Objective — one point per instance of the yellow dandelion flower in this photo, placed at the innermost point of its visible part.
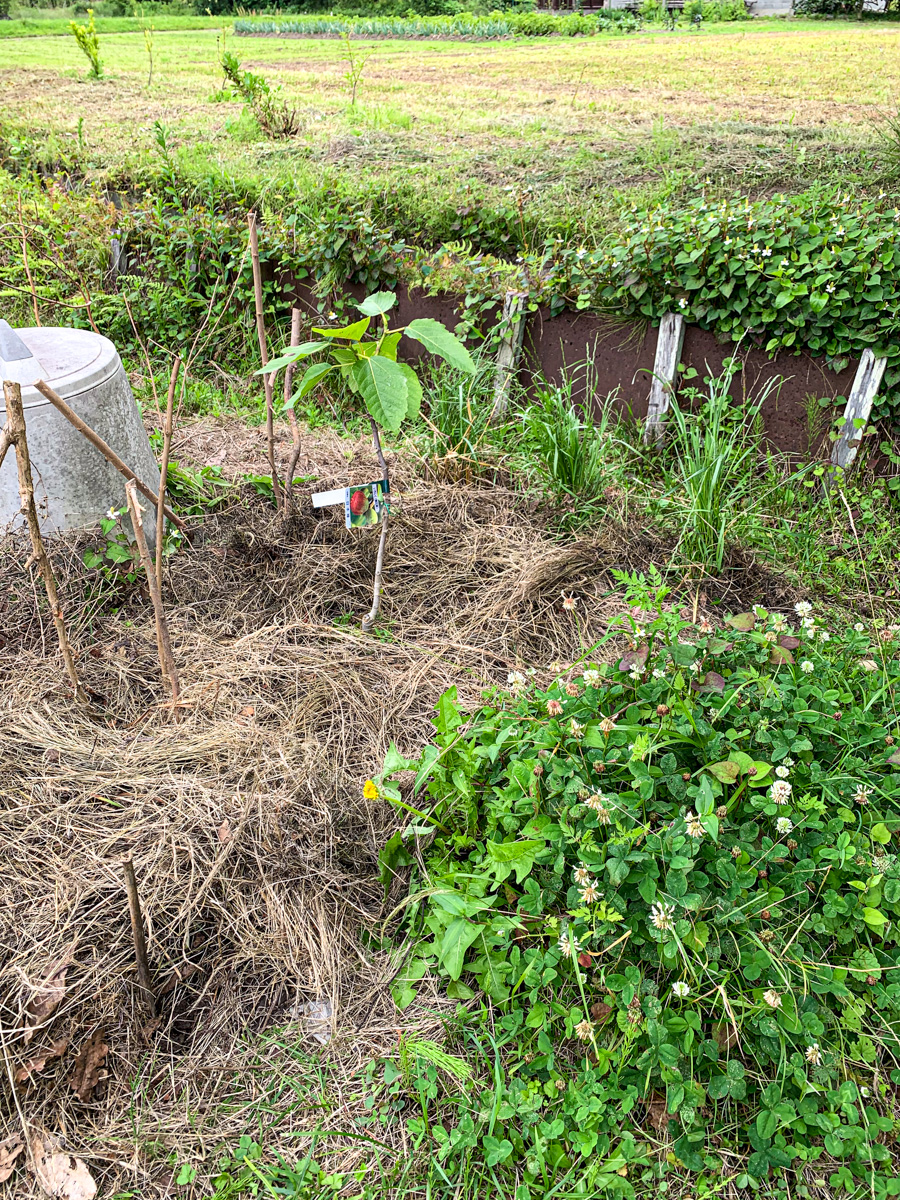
(370, 791)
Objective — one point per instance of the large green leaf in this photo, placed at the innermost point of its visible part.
(414, 391)
(313, 375)
(458, 937)
(513, 856)
(439, 340)
(291, 355)
(352, 332)
(377, 303)
(383, 386)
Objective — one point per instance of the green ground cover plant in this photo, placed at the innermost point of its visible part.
(673, 879)
(460, 25)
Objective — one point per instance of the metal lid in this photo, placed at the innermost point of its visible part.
(71, 361)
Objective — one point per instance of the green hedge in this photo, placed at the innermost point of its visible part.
(463, 25)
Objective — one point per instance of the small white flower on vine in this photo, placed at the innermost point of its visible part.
(681, 989)
(606, 725)
(772, 998)
(516, 680)
(784, 825)
(569, 602)
(813, 1054)
(112, 515)
(581, 875)
(661, 915)
(639, 632)
(590, 893)
(803, 608)
(584, 1030)
(592, 677)
(694, 827)
(807, 667)
(780, 791)
(782, 771)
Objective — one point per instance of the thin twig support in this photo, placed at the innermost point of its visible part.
(510, 351)
(263, 354)
(137, 931)
(164, 470)
(371, 617)
(163, 645)
(108, 453)
(665, 373)
(14, 435)
(292, 417)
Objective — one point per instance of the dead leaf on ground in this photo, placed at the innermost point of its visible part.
(89, 1066)
(601, 1012)
(657, 1113)
(178, 975)
(10, 1149)
(40, 1059)
(724, 1035)
(47, 997)
(225, 831)
(61, 1175)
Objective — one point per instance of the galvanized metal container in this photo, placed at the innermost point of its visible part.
(74, 485)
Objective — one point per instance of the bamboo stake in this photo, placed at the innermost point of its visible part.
(371, 617)
(292, 417)
(263, 353)
(14, 435)
(164, 470)
(108, 453)
(137, 931)
(163, 645)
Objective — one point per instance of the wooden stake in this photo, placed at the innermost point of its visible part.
(263, 354)
(371, 617)
(108, 453)
(862, 396)
(509, 352)
(292, 417)
(137, 930)
(14, 435)
(665, 371)
(163, 645)
(164, 470)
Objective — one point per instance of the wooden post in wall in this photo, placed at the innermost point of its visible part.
(509, 353)
(862, 396)
(665, 371)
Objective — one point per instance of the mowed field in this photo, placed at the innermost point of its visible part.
(578, 123)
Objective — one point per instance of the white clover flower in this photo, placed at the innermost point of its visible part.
(597, 803)
(696, 667)
(584, 1030)
(569, 602)
(581, 875)
(779, 622)
(554, 708)
(606, 725)
(694, 828)
(780, 791)
(868, 664)
(788, 762)
(859, 627)
(772, 998)
(516, 680)
(807, 667)
(823, 635)
(770, 635)
(661, 915)
(592, 677)
(862, 794)
(813, 1054)
(803, 608)
(576, 728)
(658, 673)
(782, 771)
(590, 893)
(784, 825)
(808, 624)
(681, 989)
(568, 945)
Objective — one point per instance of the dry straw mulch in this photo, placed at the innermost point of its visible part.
(254, 849)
